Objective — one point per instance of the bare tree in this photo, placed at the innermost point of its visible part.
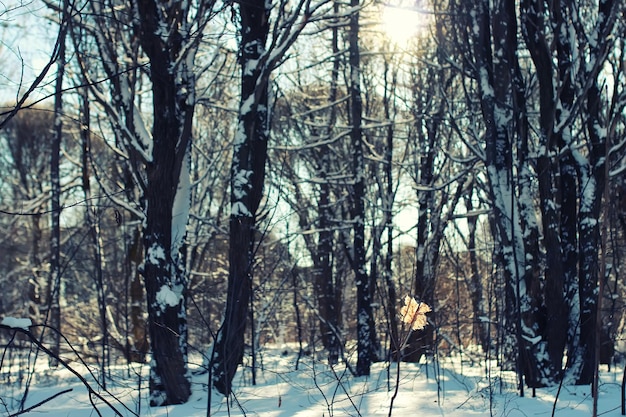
(158, 156)
(260, 49)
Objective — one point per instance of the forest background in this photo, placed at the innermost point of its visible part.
(179, 175)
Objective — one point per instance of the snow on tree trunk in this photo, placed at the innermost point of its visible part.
(247, 178)
(591, 188)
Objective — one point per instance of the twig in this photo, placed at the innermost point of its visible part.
(40, 403)
(397, 387)
(340, 383)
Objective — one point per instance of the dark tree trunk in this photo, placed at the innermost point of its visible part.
(167, 191)
(326, 287)
(420, 342)
(480, 326)
(570, 181)
(364, 315)
(388, 198)
(247, 178)
(594, 175)
(53, 316)
(35, 284)
(590, 240)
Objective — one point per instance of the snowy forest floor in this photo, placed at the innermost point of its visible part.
(448, 387)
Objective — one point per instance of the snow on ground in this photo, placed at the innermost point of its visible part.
(449, 387)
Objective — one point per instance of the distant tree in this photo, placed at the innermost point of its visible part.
(439, 179)
(302, 176)
(25, 166)
(207, 253)
(306, 132)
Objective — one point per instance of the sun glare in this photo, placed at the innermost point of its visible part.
(401, 24)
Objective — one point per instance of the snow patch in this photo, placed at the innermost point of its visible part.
(239, 209)
(181, 207)
(167, 297)
(155, 254)
(532, 340)
(241, 183)
(246, 105)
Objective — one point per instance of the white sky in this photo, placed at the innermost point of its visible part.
(26, 43)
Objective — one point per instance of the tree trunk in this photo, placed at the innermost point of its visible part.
(592, 186)
(167, 197)
(53, 316)
(247, 179)
(326, 288)
(481, 325)
(364, 315)
(94, 231)
(137, 345)
(495, 100)
(329, 289)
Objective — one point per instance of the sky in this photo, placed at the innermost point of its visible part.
(26, 44)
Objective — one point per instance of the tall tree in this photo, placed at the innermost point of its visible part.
(257, 60)
(53, 317)
(168, 39)
(155, 152)
(364, 314)
(569, 47)
(491, 35)
(551, 306)
(247, 178)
